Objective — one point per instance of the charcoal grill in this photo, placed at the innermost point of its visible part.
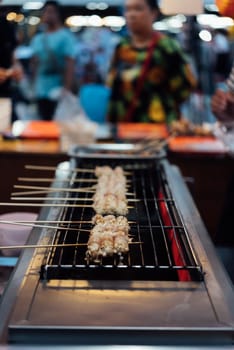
(169, 289)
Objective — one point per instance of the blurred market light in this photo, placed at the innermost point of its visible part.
(205, 35)
(11, 16)
(94, 21)
(77, 21)
(101, 5)
(33, 20)
(114, 21)
(33, 5)
(214, 21)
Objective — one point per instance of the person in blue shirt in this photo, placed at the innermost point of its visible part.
(53, 60)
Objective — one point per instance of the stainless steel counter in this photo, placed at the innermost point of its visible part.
(152, 313)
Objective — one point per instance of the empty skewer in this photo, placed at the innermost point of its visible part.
(8, 222)
(29, 193)
(56, 189)
(43, 246)
(50, 245)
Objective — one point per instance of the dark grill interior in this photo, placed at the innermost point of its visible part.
(161, 248)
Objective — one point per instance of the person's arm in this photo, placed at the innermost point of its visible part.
(222, 105)
(69, 73)
(34, 60)
(69, 53)
(3, 75)
(14, 72)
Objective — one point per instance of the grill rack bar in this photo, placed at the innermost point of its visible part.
(121, 272)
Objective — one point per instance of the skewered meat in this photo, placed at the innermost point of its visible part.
(110, 196)
(109, 236)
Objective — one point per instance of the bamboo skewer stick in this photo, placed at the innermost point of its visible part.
(56, 189)
(61, 199)
(43, 246)
(51, 245)
(44, 205)
(26, 193)
(49, 199)
(9, 204)
(41, 179)
(164, 142)
(8, 222)
(52, 179)
(152, 144)
(56, 221)
(49, 190)
(52, 168)
(60, 222)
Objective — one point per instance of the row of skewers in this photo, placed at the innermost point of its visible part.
(110, 232)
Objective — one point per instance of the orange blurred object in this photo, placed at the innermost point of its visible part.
(197, 144)
(141, 130)
(38, 129)
(226, 7)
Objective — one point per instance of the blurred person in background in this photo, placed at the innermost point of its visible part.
(222, 105)
(222, 102)
(149, 75)
(53, 60)
(10, 69)
(222, 55)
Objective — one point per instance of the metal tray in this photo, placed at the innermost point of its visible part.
(113, 151)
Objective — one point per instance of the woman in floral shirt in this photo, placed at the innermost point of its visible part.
(156, 94)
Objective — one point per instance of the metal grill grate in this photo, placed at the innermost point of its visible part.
(162, 249)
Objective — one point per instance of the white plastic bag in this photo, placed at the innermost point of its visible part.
(68, 108)
(75, 126)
